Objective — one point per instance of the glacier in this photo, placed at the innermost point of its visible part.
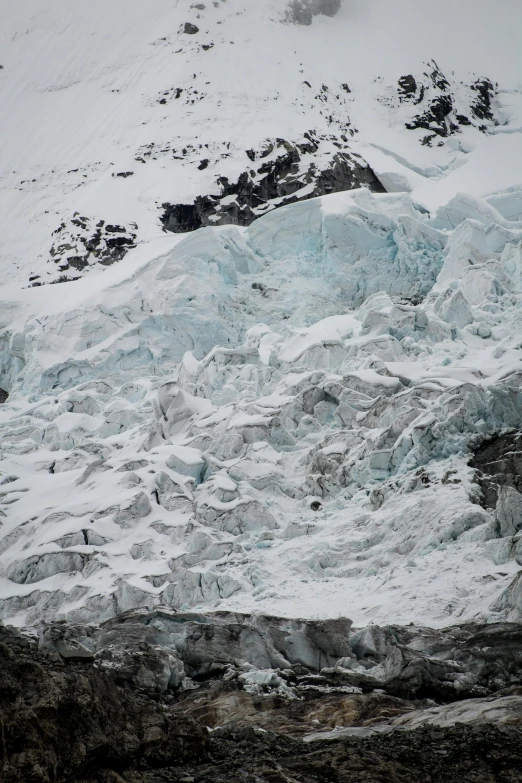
(277, 418)
(260, 390)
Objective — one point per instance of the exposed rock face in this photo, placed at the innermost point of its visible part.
(303, 11)
(79, 706)
(407, 662)
(71, 723)
(446, 107)
(440, 756)
(498, 465)
(287, 175)
(498, 462)
(84, 242)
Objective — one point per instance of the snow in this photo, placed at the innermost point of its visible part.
(275, 418)
(80, 96)
(150, 468)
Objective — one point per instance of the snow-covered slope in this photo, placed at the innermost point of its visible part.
(111, 111)
(292, 414)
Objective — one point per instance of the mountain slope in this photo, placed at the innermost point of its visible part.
(110, 114)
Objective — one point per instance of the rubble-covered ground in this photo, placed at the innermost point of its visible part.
(115, 702)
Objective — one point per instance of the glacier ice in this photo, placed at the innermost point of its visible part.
(279, 417)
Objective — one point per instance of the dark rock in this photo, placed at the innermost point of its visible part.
(443, 109)
(90, 242)
(438, 756)
(225, 703)
(190, 29)
(3, 395)
(498, 462)
(67, 721)
(77, 262)
(434, 118)
(278, 180)
(92, 703)
(437, 77)
(180, 218)
(409, 90)
(485, 90)
(72, 723)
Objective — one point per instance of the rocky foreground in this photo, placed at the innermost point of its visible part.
(159, 696)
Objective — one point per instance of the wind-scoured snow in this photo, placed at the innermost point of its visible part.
(276, 418)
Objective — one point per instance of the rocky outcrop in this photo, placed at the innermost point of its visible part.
(84, 242)
(70, 722)
(281, 173)
(440, 756)
(303, 11)
(85, 704)
(498, 464)
(444, 108)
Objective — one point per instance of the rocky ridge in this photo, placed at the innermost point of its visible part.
(87, 243)
(303, 11)
(288, 174)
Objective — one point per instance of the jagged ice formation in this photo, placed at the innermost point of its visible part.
(278, 417)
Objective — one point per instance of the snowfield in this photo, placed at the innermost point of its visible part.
(285, 416)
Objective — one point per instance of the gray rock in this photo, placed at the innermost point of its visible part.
(278, 180)
(506, 710)
(303, 11)
(508, 512)
(407, 662)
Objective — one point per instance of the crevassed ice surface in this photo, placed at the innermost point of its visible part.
(276, 418)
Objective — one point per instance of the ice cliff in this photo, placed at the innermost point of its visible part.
(278, 418)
